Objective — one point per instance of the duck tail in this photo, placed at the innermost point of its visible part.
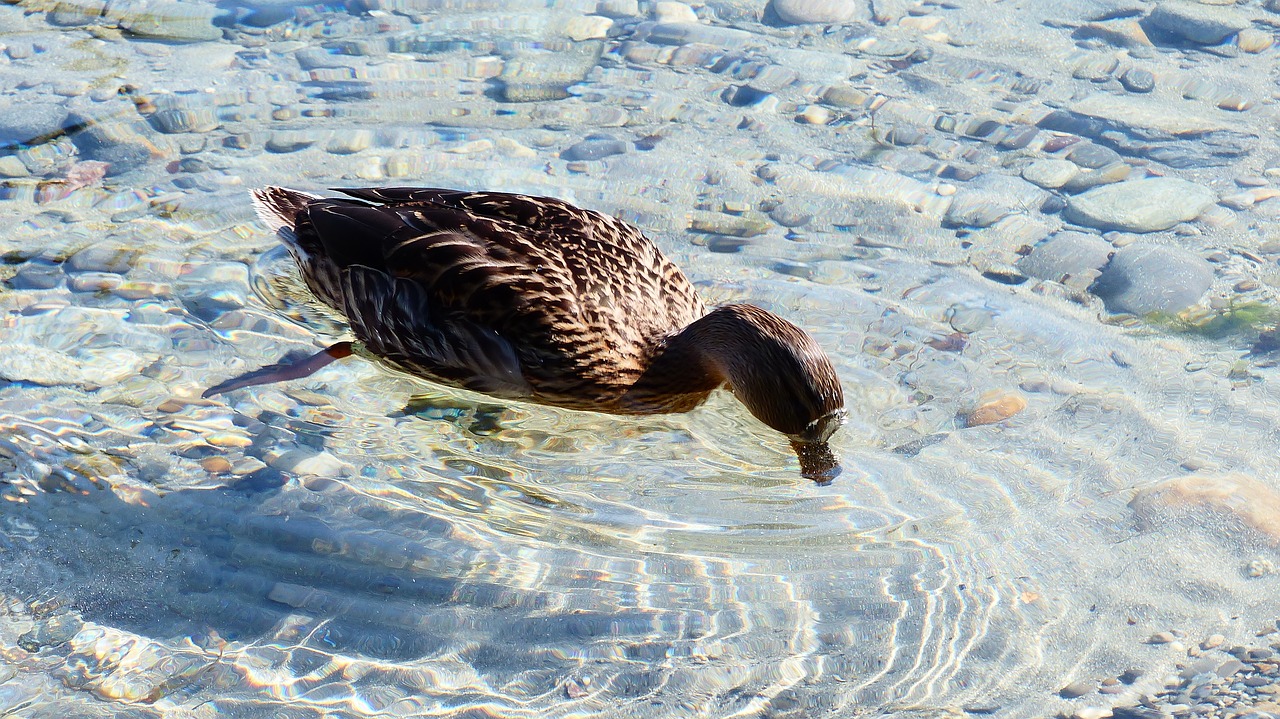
(279, 206)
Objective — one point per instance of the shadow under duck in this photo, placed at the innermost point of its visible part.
(534, 299)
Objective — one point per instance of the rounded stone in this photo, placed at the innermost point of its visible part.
(1076, 689)
(1091, 156)
(815, 115)
(1197, 22)
(789, 216)
(107, 256)
(1135, 79)
(1144, 278)
(805, 12)
(1067, 255)
(1115, 172)
(988, 198)
(1147, 205)
(37, 276)
(124, 144)
(25, 122)
(588, 27)
(285, 141)
(677, 12)
(1050, 174)
(166, 20)
(1253, 40)
(594, 147)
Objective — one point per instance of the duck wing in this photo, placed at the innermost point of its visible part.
(506, 294)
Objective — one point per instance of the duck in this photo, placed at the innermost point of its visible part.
(534, 299)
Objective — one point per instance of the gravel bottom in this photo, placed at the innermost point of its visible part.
(1215, 680)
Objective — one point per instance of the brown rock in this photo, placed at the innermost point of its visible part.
(995, 408)
(1234, 496)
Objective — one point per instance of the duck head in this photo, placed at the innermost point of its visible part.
(782, 376)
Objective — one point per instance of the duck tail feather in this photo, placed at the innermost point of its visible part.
(278, 207)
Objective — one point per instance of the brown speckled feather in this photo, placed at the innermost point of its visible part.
(506, 294)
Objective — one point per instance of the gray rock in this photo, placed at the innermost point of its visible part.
(1092, 156)
(350, 141)
(536, 75)
(1143, 278)
(685, 33)
(119, 138)
(284, 141)
(1050, 174)
(312, 58)
(772, 78)
(37, 276)
(1076, 689)
(790, 215)
(594, 147)
(20, 50)
(984, 200)
(108, 256)
(12, 166)
(1135, 79)
(1095, 68)
(1072, 258)
(804, 12)
(1203, 24)
(1115, 172)
(1210, 139)
(29, 122)
(1147, 205)
(165, 19)
(76, 12)
(618, 8)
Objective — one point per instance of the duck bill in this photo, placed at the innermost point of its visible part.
(817, 461)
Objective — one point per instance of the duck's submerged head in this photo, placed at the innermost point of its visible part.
(782, 376)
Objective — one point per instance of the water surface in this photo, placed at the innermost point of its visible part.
(362, 544)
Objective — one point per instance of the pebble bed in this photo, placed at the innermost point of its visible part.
(1041, 240)
(1214, 679)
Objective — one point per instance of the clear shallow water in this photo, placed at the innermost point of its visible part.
(331, 545)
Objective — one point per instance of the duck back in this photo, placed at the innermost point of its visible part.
(507, 294)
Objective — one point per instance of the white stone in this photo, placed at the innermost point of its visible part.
(588, 27)
(804, 12)
(674, 12)
(320, 464)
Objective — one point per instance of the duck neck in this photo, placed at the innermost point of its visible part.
(772, 366)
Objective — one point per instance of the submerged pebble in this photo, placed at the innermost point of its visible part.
(1197, 22)
(1143, 278)
(1146, 205)
(1136, 79)
(675, 12)
(27, 122)
(594, 147)
(1072, 258)
(1254, 40)
(1050, 174)
(804, 12)
(995, 408)
(535, 75)
(165, 19)
(1235, 497)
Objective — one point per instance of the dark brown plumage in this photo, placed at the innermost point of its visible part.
(533, 298)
